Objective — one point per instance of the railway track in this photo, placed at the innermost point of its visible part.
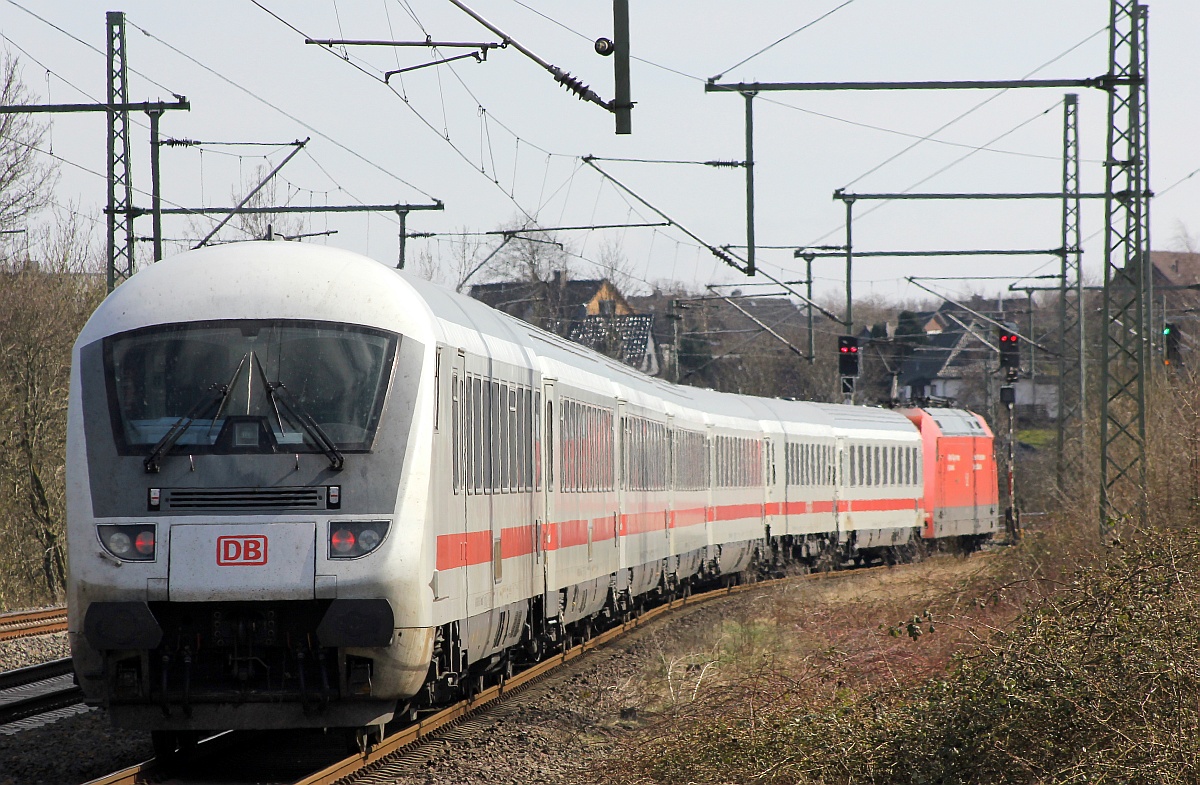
(37, 690)
(406, 741)
(28, 623)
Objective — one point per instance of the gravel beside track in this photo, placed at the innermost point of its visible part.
(565, 727)
(34, 650)
(71, 750)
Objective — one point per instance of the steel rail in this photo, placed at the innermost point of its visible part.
(427, 727)
(29, 623)
(35, 673)
(40, 704)
(395, 743)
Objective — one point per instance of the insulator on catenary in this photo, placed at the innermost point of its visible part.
(582, 92)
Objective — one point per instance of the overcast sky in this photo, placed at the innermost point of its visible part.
(499, 142)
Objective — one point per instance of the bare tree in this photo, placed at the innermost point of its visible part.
(615, 266)
(527, 255)
(26, 180)
(44, 301)
(454, 267)
(258, 226)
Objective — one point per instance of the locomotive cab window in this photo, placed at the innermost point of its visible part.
(248, 386)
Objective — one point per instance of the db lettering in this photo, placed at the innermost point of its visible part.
(247, 549)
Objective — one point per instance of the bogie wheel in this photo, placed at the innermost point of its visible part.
(535, 649)
(360, 741)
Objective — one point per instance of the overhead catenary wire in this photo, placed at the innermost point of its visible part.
(770, 46)
(241, 88)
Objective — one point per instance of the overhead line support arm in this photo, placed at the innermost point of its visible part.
(1102, 82)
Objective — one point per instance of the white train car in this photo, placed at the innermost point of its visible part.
(306, 490)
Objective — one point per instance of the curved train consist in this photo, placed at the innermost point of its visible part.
(307, 490)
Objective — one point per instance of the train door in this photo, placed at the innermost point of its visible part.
(532, 410)
(546, 479)
(477, 543)
(623, 582)
(452, 582)
(771, 497)
(840, 474)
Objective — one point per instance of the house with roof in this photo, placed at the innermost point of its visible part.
(591, 312)
(556, 304)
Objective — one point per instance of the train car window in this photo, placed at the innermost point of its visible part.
(514, 440)
(515, 453)
(522, 439)
(582, 469)
(495, 436)
(483, 440)
(878, 459)
(894, 478)
(336, 374)
(505, 438)
(567, 447)
(587, 467)
(534, 403)
(591, 466)
(455, 434)
(549, 462)
(532, 441)
(624, 452)
(469, 437)
(576, 452)
(477, 433)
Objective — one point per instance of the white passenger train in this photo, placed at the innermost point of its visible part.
(307, 490)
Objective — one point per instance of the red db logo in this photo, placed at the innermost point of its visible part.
(246, 549)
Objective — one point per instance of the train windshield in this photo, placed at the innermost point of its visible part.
(248, 386)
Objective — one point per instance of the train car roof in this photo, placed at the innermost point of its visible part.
(955, 422)
(870, 422)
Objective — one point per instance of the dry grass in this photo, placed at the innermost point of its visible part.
(1066, 659)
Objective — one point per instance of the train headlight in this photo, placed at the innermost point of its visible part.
(351, 539)
(129, 542)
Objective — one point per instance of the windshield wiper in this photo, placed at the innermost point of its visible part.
(296, 413)
(216, 396)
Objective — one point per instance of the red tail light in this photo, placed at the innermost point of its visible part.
(145, 543)
(342, 541)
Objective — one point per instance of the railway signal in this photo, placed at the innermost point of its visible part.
(848, 355)
(1010, 348)
(1171, 355)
